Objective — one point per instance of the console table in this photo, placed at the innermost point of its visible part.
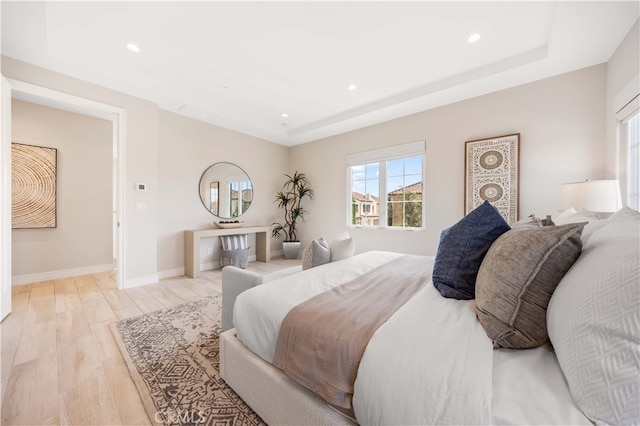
(192, 245)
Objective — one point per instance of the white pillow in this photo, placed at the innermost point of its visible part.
(594, 221)
(572, 216)
(593, 321)
(342, 247)
(561, 219)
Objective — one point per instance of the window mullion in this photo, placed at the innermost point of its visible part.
(383, 194)
(633, 161)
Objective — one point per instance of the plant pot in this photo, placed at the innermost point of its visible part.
(291, 249)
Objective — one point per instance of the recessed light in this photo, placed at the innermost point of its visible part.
(285, 115)
(352, 87)
(474, 37)
(133, 47)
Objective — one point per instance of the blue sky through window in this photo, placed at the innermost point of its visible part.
(400, 173)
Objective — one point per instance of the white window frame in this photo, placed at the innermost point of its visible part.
(381, 156)
(627, 106)
(631, 124)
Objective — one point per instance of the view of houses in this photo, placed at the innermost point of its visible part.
(404, 207)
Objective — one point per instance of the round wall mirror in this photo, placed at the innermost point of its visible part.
(226, 190)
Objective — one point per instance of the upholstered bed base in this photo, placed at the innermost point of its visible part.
(269, 392)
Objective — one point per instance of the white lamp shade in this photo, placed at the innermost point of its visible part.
(593, 195)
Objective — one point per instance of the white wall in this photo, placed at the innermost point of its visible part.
(140, 227)
(169, 152)
(82, 238)
(623, 66)
(187, 148)
(565, 136)
(562, 133)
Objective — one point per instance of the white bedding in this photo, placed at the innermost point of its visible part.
(529, 388)
(431, 362)
(258, 313)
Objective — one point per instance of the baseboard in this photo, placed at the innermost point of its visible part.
(209, 266)
(67, 273)
(170, 273)
(140, 281)
(129, 282)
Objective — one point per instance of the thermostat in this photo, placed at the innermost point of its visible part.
(141, 186)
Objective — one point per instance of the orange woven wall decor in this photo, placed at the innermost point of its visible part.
(33, 186)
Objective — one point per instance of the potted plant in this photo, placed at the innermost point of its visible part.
(294, 190)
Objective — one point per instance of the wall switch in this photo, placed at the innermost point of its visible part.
(209, 250)
(141, 206)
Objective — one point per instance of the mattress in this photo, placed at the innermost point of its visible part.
(521, 386)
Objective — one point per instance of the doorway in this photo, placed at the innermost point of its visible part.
(51, 98)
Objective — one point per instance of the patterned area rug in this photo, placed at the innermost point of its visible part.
(173, 358)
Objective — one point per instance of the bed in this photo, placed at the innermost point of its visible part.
(432, 361)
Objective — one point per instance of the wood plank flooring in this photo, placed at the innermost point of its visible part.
(60, 362)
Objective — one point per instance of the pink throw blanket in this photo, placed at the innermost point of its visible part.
(322, 340)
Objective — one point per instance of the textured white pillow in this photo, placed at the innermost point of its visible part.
(316, 253)
(593, 321)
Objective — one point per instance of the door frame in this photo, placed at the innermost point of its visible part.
(55, 99)
(5, 198)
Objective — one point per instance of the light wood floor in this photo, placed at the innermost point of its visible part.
(60, 363)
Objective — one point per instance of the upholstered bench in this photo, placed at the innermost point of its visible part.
(236, 280)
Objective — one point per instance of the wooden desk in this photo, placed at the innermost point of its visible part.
(192, 245)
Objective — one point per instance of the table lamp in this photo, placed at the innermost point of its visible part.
(602, 196)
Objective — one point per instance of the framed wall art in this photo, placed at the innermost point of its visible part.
(492, 174)
(33, 186)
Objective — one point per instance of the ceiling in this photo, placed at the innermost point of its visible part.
(242, 65)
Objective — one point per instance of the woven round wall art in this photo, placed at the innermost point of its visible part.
(492, 174)
(33, 186)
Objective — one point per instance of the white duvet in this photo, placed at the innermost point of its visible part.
(258, 312)
(432, 358)
(430, 363)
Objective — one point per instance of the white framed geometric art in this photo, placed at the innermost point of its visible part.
(492, 174)
(33, 186)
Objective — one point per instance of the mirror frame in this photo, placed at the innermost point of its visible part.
(220, 185)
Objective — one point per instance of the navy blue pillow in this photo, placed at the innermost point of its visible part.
(462, 248)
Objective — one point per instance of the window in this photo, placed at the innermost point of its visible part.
(387, 192)
(404, 192)
(627, 106)
(633, 166)
(365, 187)
(240, 194)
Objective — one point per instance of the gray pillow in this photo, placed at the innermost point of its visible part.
(517, 278)
(532, 221)
(316, 253)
